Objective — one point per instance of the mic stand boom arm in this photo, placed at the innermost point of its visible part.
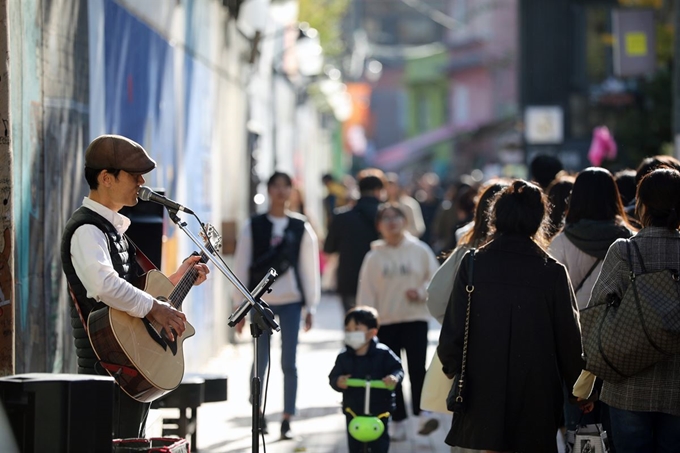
(252, 300)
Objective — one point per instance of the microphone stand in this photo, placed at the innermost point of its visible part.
(262, 319)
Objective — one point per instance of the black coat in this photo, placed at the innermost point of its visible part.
(350, 234)
(524, 340)
(378, 362)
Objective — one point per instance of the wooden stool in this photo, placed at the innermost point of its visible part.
(194, 390)
(187, 398)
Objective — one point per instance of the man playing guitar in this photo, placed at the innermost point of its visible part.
(99, 262)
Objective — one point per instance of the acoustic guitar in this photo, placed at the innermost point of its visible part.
(137, 352)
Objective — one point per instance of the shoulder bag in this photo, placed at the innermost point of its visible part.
(455, 402)
(623, 336)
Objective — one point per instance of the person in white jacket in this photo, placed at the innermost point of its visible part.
(393, 279)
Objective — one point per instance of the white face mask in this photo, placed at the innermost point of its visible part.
(355, 340)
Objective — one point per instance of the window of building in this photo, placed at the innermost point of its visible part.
(461, 104)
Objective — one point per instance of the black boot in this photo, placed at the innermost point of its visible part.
(286, 433)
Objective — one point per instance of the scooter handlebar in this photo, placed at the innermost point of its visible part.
(376, 384)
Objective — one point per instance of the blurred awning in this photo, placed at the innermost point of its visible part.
(399, 155)
(396, 156)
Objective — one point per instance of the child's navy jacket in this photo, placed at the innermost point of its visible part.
(378, 362)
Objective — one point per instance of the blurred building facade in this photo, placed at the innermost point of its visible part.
(447, 100)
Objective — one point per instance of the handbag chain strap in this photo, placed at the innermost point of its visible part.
(469, 288)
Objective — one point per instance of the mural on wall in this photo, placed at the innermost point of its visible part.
(195, 172)
(6, 318)
(152, 92)
(49, 119)
(6, 256)
(143, 103)
(65, 130)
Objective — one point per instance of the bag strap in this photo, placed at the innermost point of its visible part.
(631, 274)
(642, 263)
(469, 288)
(590, 271)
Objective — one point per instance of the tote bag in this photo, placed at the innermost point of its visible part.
(436, 388)
(622, 337)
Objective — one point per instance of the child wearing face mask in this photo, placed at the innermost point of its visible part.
(366, 358)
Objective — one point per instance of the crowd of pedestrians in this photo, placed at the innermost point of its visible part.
(505, 266)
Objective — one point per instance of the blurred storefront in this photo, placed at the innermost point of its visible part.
(588, 63)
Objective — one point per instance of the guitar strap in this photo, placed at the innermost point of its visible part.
(75, 302)
(142, 260)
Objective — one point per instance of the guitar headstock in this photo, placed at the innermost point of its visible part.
(212, 239)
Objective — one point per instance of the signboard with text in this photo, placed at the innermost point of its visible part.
(634, 42)
(543, 125)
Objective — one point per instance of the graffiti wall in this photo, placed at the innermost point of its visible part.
(49, 111)
(111, 71)
(6, 226)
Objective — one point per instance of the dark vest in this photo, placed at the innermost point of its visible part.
(123, 258)
(282, 257)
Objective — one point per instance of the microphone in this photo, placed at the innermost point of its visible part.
(147, 194)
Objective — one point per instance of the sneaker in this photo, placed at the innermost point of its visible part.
(397, 431)
(428, 424)
(286, 433)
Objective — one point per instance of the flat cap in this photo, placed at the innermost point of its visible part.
(118, 153)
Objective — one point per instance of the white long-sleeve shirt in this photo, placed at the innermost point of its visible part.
(92, 261)
(285, 289)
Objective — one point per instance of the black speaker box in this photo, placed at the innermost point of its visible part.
(146, 229)
(66, 413)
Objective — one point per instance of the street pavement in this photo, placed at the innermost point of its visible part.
(319, 426)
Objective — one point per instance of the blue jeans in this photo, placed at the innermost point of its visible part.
(653, 432)
(289, 321)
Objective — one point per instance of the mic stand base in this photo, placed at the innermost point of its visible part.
(256, 383)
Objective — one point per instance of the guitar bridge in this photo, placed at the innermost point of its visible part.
(155, 336)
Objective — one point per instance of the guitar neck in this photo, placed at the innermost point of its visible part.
(184, 285)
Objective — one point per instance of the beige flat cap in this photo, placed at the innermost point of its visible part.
(118, 153)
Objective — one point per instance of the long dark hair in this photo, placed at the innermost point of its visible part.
(659, 194)
(479, 233)
(520, 209)
(558, 193)
(595, 196)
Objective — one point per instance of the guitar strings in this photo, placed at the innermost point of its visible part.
(185, 285)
